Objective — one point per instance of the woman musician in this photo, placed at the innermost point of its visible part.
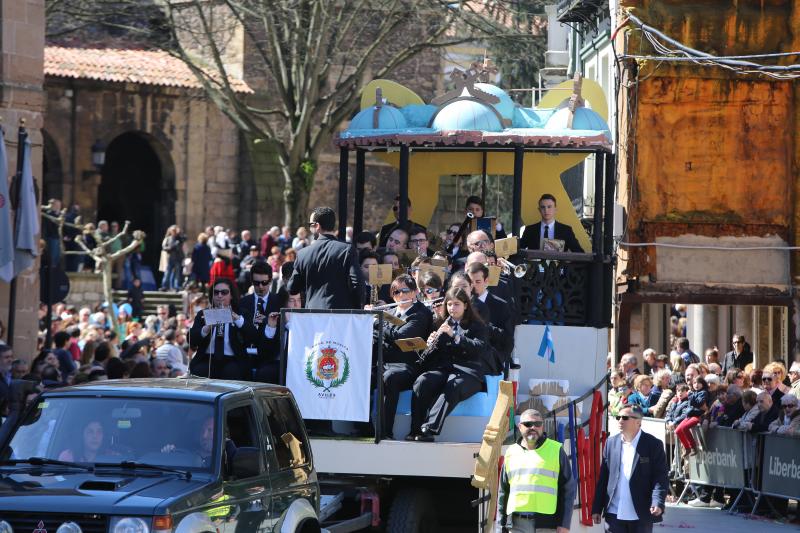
(220, 348)
(454, 366)
(400, 369)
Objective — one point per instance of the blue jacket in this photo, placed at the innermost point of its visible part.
(648, 483)
(677, 411)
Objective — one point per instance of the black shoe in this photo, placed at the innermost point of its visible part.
(426, 435)
(412, 437)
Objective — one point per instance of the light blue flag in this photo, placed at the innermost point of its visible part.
(6, 234)
(27, 229)
(546, 347)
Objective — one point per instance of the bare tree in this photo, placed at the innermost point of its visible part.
(307, 59)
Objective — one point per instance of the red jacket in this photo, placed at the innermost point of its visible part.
(221, 269)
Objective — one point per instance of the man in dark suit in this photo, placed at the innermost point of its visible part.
(327, 271)
(548, 228)
(6, 360)
(633, 480)
(501, 332)
(400, 368)
(261, 309)
(387, 229)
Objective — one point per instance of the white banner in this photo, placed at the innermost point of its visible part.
(328, 365)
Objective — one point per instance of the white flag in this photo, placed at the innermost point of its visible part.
(328, 365)
(26, 241)
(6, 234)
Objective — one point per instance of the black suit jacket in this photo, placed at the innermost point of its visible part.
(531, 237)
(648, 483)
(502, 328)
(254, 335)
(731, 361)
(418, 324)
(328, 273)
(200, 343)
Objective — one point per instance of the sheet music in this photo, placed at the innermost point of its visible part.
(217, 316)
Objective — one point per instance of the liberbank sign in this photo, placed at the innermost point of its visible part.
(719, 460)
(780, 475)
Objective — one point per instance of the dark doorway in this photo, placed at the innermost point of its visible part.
(138, 185)
(53, 178)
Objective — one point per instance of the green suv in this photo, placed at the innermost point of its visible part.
(159, 456)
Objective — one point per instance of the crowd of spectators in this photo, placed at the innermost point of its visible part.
(725, 390)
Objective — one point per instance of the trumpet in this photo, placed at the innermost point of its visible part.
(509, 267)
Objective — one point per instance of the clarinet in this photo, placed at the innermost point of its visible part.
(434, 340)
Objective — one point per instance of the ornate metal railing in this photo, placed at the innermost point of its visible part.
(568, 289)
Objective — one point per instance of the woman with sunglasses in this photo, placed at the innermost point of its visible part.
(430, 286)
(455, 365)
(220, 351)
(400, 369)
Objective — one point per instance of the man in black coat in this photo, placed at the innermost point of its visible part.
(387, 229)
(633, 484)
(327, 271)
(261, 309)
(548, 228)
(501, 330)
(739, 357)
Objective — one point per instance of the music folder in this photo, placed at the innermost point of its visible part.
(505, 247)
(392, 319)
(412, 344)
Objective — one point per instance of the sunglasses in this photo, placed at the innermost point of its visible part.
(431, 290)
(452, 232)
(404, 290)
(222, 292)
(626, 417)
(533, 424)
(766, 379)
(264, 283)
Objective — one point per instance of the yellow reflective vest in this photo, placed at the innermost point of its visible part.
(533, 478)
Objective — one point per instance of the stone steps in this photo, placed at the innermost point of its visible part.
(152, 299)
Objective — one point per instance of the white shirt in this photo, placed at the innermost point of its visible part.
(622, 502)
(548, 230)
(483, 296)
(228, 350)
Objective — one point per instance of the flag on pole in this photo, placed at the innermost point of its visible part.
(546, 348)
(27, 228)
(6, 234)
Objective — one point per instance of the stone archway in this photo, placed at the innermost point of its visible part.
(138, 184)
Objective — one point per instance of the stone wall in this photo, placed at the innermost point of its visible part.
(85, 289)
(21, 97)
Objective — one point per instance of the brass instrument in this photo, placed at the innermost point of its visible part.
(373, 294)
(509, 267)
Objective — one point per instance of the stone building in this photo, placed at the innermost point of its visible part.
(22, 97)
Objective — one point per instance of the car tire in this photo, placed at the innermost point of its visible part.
(412, 511)
(308, 526)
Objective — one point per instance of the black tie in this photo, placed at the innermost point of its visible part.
(262, 307)
(219, 340)
(547, 233)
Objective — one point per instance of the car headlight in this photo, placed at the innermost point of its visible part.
(129, 524)
(5, 527)
(69, 527)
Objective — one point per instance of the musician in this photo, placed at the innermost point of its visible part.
(454, 366)
(461, 281)
(548, 228)
(220, 349)
(262, 309)
(418, 241)
(366, 259)
(416, 266)
(397, 240)
(430, 286)
(501, 333)
(388, 228)
(400, 369)
(505, 287)
(474, 205)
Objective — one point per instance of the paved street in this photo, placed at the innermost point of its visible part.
(683, 517)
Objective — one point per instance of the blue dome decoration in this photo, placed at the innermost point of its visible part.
(506, 105)
(418, 115)
(525, 117)
(389, 118)
(467, 115)
(585, 119)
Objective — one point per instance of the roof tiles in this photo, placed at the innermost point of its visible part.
(147, 67)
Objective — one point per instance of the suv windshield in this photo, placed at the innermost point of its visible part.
(111, 430)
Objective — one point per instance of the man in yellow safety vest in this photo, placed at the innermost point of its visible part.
(537, 491)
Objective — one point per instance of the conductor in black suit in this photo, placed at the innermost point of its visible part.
(548, 228)
(262, 309)
(220, 348)
(633, 484)
(400, 368)
(327, 271)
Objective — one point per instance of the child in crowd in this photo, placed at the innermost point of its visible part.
(677, 410)
(698, 405)
(618, 394)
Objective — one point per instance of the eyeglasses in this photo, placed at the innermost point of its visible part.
(431, 290)
(417, 241)
(221, 292)
(483, 242)
(404, 290)
(766, 379)
(452, 231)
(789, 406)
(738, 342)
(532, 423)
(261, 283)
(626, 417)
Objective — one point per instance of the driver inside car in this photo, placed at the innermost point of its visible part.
(204, 444)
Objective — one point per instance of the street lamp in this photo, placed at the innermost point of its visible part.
(98, 154)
